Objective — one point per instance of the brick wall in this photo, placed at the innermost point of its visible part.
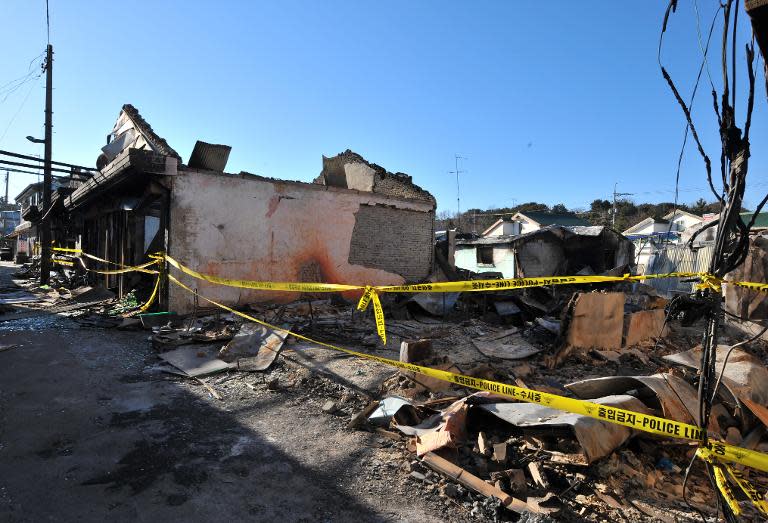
(395, 240)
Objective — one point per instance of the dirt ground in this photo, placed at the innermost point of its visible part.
(91, 430)
(91, 427)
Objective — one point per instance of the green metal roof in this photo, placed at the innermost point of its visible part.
(549, 218)
(760, 223)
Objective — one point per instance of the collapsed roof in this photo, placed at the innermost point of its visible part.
(556, 250)
(349, 170)
(131, 130)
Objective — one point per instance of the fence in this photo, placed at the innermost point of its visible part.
(678, 258)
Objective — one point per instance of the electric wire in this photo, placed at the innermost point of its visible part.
(16, 114)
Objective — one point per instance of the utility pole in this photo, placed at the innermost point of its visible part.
(615, 195)
(45, 223)
(6, 186)
(458, 194)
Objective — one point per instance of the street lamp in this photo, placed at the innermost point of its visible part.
(45, 224)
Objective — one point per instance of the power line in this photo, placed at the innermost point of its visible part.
(8, 85)
(28, 165)
(16, 114)
(37, 159)
(10, 90)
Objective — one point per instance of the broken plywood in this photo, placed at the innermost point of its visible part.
(597, 321)
(645, 325)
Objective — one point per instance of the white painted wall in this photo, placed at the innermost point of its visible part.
(503, 260)
(651, 228)
(257, 229)
(527, 226)
(681, 222)
(505, 229)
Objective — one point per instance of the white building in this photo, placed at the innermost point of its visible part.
(494, 252)
(650, 233)
(525, 222)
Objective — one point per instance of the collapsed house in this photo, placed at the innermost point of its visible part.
(551, 251)
(356, 224)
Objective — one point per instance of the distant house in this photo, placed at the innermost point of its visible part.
(709, 234)
(672, 224)
(523, 223)
(550, 251)
(24, 230)
(9, 220)
(25, 233)
(651, 233)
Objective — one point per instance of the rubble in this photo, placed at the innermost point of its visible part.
(195, 361)
(674, 395)
(597, 321)
(482, 452)
(745, 377)
(596, 439)
(254, 348)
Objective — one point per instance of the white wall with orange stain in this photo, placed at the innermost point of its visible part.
(253, 228)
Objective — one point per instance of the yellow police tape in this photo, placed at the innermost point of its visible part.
(642, 422)
(451, 286)
(725, 489)
(370, 293)
(127, 268)
(753, 494)
(763, 287)
(152, 296)
(122, 270)
(263, 285)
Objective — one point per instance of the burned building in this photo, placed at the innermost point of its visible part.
(355, 224)
(550, 251)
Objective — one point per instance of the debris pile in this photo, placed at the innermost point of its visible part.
(489, 455)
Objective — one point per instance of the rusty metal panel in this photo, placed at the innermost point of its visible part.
(209, 156)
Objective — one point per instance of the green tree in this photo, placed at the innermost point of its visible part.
(699, 206)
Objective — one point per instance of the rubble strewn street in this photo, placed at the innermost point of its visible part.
(162, 431)
(422, 262)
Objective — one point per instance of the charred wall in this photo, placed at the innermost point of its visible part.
(253, 228)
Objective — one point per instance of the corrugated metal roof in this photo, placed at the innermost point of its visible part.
(209, 156)
(551, 218)
(557, 231)
(760, 223)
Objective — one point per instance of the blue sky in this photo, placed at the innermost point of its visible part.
(549, 101)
